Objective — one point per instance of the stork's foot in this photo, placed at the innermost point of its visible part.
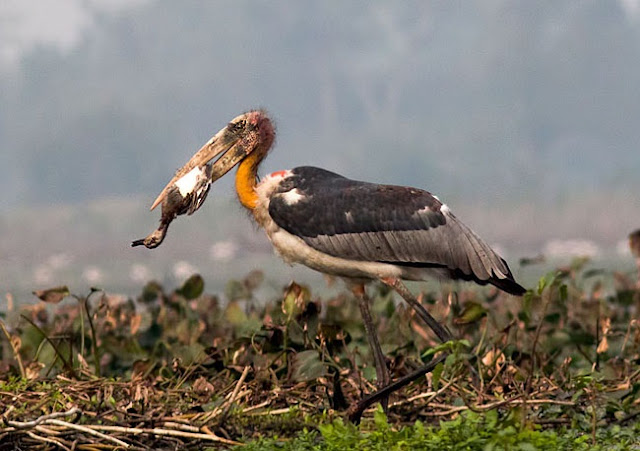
(355, 412)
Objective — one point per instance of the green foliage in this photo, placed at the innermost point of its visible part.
(557, 370)
(469, 431)
(192, 287)
(308, 366)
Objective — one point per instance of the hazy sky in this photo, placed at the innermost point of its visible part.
(484, 103)
(25, 24)
(522, 115)
(28, 23)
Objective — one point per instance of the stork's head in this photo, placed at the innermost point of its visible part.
(251, 133)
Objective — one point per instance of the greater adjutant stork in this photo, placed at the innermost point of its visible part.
(357, 230)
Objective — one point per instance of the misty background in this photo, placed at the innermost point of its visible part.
(523, 116)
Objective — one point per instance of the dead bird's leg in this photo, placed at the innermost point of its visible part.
(155, 238)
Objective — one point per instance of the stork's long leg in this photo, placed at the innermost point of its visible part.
(383, 392)
(355, 412)
(441, 331)
(382, 372)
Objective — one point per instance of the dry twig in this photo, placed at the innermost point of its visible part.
(42, 419)
(88, 430)
(14, 349)
(163, 432)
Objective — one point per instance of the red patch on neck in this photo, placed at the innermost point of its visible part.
(278, 174)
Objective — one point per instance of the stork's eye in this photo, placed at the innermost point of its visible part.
(236, 126)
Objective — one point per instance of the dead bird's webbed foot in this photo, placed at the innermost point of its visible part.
(154, 239)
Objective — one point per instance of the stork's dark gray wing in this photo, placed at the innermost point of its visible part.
(384, 223)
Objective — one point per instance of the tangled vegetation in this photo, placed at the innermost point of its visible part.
(558, 369)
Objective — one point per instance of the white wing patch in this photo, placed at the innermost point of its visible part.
(444, 209)
(187, 183)
(292, 197)
(264, 190)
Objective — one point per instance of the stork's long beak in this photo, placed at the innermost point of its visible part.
(230, 145)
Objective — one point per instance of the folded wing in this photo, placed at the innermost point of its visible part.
(384, 223)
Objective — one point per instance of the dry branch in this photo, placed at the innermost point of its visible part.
(42, 419)
(163, 432)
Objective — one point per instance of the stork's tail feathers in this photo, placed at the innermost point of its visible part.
(508, 285)
(486, 266)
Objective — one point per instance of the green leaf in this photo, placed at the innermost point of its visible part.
(471, 313)
(308, 366)
(295, 333)
(234, 314)
(151, 292)
(436, 374)
(294, 300)
(455, 346)
(189, 354)
(546, 281)
(563, 292)
(553, 318)
(192, 288)
(581, 337)
(369, 373)
(289, 305)
(380, 419)
(235, 290)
